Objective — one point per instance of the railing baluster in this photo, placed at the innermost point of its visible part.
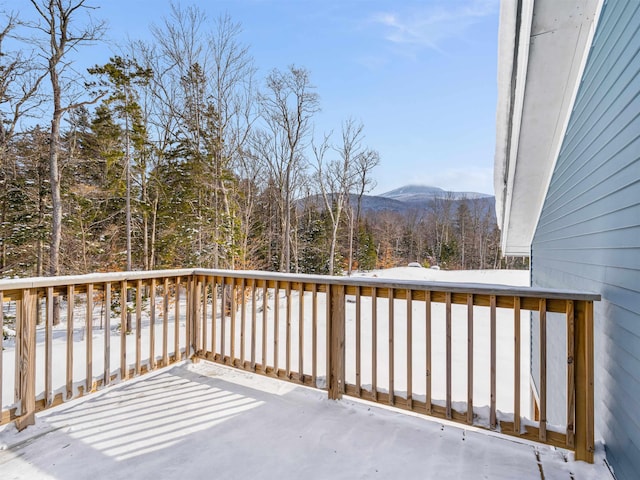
(492, 413)
(427, 321)
(374, 343)
(202, 345)
(70, 305)
(107, 334)
(201, 319)
(152, 325)
(288, 332)
(138, 325)
(391, 349)
(165, 322)
(89, 339)
(26, 317)
(232, 292)
(189, 315)
(301, 332)
(470, 358)
(276, 332)
(265, 307)
(409, 349)
(543, 370)
(176, 323)
(195, 318)
(124, 370)
(243, 319)
(314, 334)
(16, 357)
(448, 353)
(516, 369)
(327, 290)
(571, 397)
(358, 342)
(214, 315)
(335, 329)
(254, 311)
(223, 317)
(48, 350)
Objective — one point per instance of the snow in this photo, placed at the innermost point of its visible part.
(518, 278)
(195, 419)
(191, 421)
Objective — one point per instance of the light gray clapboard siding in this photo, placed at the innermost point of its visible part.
(588, 236)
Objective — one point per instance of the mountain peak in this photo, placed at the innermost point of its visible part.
(419, 193)
(413, 190)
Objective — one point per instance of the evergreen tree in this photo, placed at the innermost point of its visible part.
(122, 76)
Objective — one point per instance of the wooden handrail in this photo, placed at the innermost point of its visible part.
(15, 285)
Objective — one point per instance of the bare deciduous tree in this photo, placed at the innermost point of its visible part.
(208, 87)
(365, 163)
(57, 22)
(340, 178)
(19, 84)
(287, 108)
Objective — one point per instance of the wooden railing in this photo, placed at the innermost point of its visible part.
(440, 349)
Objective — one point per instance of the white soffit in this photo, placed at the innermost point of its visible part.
(537, 86)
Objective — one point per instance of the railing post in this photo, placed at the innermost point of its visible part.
(335, 340)
(26, 345)
(584, 432)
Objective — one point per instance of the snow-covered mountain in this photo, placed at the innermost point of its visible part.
(421, 193)
(412, 198)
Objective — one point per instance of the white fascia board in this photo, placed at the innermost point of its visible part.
(581, 65)
(506, 65)
(511, 84)
(535, 103)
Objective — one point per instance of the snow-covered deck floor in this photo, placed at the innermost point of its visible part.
(196, 421)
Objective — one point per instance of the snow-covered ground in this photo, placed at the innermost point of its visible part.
(204, 420)
(204, 408)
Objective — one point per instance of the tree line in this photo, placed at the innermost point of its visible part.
(174, 154)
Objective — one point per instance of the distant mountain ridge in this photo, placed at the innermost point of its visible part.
(411, 198)
(422, 197)
(419, 193)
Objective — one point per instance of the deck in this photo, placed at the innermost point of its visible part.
(195, 420)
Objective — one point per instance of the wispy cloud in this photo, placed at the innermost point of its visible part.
(429, 26)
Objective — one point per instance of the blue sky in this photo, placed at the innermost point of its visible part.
(420, 74)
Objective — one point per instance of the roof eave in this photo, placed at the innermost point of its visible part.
(543, 46)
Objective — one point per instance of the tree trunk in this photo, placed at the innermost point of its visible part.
(350, 268)
(54, 180)
(128, 199)
(152, 255)
(56, 198)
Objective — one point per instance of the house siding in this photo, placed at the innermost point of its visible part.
(588, 235)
